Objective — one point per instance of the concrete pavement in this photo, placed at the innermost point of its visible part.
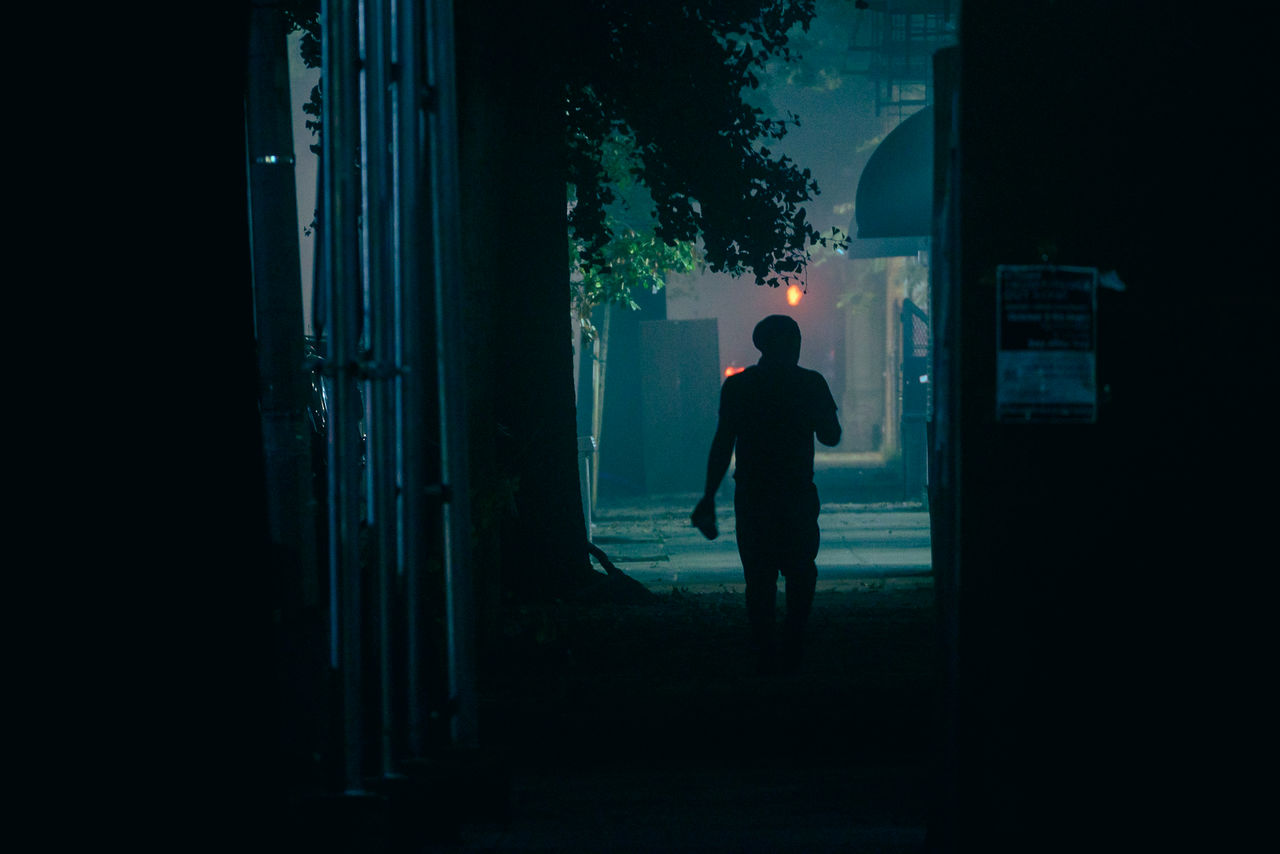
(652, 540)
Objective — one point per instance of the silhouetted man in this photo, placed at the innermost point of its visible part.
(772, 412)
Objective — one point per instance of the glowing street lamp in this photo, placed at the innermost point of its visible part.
(793, 295)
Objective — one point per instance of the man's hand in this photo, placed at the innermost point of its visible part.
(704, 517)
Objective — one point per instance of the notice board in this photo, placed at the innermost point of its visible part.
(1046, 344)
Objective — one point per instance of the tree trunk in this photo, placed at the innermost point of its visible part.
(523, 423)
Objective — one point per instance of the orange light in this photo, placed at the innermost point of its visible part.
(794, 294)
(731, 370)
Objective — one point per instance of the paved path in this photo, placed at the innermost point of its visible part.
(653, 542)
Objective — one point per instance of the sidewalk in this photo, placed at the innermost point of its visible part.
(652, 540)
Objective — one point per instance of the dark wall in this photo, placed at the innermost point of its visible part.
(1102, 638)
(680, 394)
(621, 440)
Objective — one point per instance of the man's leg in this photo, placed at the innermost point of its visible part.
(801, 571)
(760, 572)
(801, 582)
(762, 595)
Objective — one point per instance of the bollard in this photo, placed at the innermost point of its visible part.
(586, 447)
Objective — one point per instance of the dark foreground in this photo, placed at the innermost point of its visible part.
(643, 727)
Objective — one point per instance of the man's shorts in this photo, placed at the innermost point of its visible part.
(777, 528)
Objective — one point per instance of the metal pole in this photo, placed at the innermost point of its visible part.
(381, 374)
(340, 207)
(443, 168)
(416, 382)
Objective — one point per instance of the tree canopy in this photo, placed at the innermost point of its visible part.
(633, 258)
(669, 76)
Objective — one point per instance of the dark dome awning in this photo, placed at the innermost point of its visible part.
(895, 192)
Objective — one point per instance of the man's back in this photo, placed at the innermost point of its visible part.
(774, 412)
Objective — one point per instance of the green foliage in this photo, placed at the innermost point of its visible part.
(634, 258)
(670, 76)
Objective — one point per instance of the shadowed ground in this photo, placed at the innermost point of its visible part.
(624, 727)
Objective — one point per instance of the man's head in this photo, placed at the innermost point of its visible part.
(777, 337)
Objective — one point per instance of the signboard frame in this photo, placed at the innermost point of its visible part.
(1046, 344)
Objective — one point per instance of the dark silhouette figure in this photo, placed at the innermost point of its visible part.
(771, 412)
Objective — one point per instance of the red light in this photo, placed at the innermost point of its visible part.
(731, 370)
(794, 294)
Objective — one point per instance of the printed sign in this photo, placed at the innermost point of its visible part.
(1046, 351)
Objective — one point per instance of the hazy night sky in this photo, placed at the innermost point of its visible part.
(301, 80)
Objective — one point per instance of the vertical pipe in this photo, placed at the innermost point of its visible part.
(395, 325)
(340, 212)
(443, 160)
(382, 468)
(416, 359)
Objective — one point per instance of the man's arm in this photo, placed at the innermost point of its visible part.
(718, 460)
(827, 428)
(704, 515)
